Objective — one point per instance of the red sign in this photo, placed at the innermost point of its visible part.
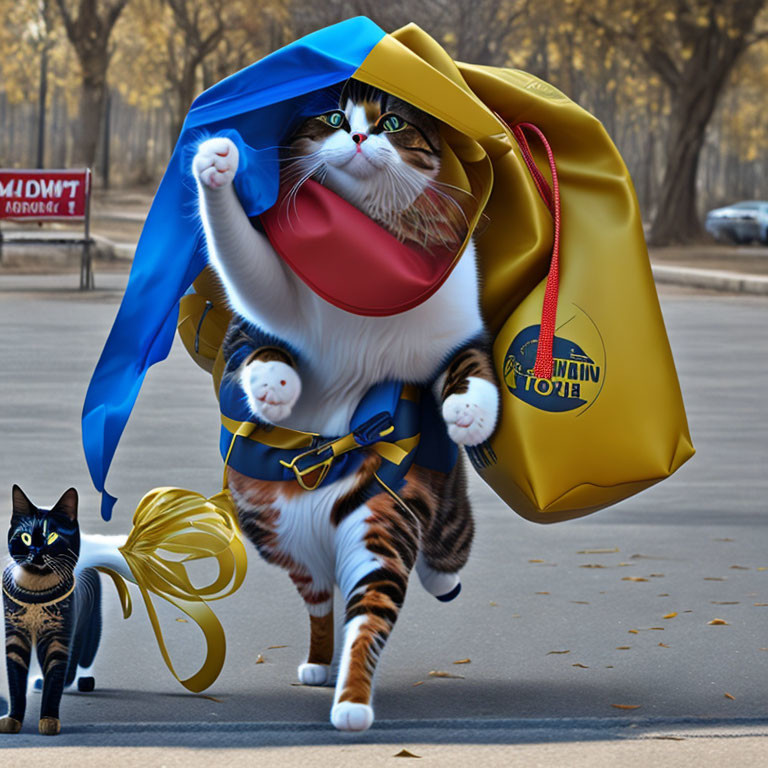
(44, 194)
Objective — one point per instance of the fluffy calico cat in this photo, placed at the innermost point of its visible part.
(47, 609)
(382, 155)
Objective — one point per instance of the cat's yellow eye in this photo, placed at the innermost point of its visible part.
(26, 538)
(52, 537)
(393, 123)
(334, 119)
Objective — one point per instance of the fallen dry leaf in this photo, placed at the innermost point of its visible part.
(626, 706)
(656, 575)
(632, 631)
(609, 666)
(580, 602)
(463, 661)
(598, 551)
(536, 561)
(492, 604)
(717, 622)
(542, 593)
(740, 567)
(663, 594)
(272, 647)
(592, 565)
(760, 605)
(623, 647)
(763, 649)
(581, 666)
(633, 578)
(655, 629)
(714, 578)
(406, 753)
(762, 568)
(724, 602)
(260, 659)
(663, 645)
(420, 682)
(182, 621)
(670, 615)
(439, 673)
(624, 565)
(728, 696)
(556, 652)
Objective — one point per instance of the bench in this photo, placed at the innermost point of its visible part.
(46, 196)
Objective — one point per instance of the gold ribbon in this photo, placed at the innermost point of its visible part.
(188, 527)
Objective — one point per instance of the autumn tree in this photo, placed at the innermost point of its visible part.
(89, 29)
(692, 45)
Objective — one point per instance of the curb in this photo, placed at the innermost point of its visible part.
(711, 279)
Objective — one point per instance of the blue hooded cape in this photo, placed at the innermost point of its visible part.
(254, 107)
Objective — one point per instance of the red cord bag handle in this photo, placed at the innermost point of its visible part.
(551, 197)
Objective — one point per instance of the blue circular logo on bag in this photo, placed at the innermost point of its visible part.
(578, 372)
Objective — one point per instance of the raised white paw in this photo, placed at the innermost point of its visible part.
(314, 674)
(471, 416)
(272, 388)
(346, 716)
(216, 162)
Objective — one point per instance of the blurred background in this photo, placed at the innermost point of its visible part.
(680, 85)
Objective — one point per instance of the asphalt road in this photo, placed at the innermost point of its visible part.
(556, 636)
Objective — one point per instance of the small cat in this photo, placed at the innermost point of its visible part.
(382, 155)
(46, 608)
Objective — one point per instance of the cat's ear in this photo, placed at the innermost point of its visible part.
(21, 504)
(67, 504)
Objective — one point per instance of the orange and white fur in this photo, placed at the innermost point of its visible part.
(324, 537)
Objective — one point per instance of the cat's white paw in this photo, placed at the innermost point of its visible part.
(216, 161)
(471, 416)
(314, 674)
(346, 716)
(272, 388)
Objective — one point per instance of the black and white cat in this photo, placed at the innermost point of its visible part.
(47, 608)
(382, 155)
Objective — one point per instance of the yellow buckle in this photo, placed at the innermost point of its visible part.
(324, 467)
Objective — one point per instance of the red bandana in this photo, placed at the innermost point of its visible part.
(348, 259)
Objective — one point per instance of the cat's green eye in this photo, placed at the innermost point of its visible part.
(26, 538)
(334, 119)
(393, 123)
(52, 537)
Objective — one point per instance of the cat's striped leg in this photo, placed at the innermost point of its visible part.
(267, 510)
(376, 549)
(53, 656)
(18, 651)
(447, 538)
(470, 397)
(316, 670)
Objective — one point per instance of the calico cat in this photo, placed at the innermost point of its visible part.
(46, 608)
(382, 155)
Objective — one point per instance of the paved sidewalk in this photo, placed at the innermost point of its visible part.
(741, 746)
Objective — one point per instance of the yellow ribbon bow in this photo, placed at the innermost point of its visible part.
(188, 527)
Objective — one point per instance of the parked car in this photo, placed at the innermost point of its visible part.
(741, 222)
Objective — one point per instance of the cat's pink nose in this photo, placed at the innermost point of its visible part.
(359, 138)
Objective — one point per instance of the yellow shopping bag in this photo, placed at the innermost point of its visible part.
(607, 420)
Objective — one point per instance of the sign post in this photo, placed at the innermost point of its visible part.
(43, 195)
